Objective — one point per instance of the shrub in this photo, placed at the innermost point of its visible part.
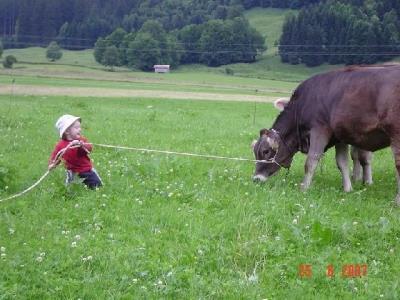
(9, 61)
(53, 51)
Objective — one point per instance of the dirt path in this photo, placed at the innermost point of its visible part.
(124, 93)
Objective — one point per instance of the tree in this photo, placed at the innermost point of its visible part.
(99, 48)
(1, 48)
(215, 42)
(152, 45)
(53, 51)
(189, 37)
(9, 61)
(111, 57)
(144, 52)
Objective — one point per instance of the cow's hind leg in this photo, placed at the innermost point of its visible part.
(365, 158)
(342, 162)
(319, 139)
(361, 165)
(357, 172)
(396, 153)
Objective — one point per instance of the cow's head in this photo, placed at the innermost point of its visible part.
(271, 149)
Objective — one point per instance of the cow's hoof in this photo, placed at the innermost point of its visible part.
(303, 187)
(397, 200)
(368, 182)
(347, 189)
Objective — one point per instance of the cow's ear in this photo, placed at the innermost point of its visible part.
(281, 103)
(253, 144)
(263, 131)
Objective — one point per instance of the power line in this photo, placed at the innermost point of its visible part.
(194, 44)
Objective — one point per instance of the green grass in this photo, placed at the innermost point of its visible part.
(174, 227)
(37, 55)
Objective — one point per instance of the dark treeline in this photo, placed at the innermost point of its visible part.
(77, 24)
(349, 32)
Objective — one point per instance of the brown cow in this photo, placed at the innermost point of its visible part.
(361, 159)
(356, 105)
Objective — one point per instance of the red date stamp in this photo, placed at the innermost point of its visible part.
(347, 270)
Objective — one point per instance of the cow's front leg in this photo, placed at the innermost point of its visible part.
(318, 141)
(342, 162)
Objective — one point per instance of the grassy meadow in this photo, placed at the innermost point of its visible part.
(176, 227)
(166, 226)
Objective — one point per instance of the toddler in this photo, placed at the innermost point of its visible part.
(75, 154)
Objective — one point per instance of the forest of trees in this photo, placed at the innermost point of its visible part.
(77, 24)
(340, 31)
(348, 32)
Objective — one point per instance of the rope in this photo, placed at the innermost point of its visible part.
(57, 159)
(181, 153)
(28, 189)
(62, 151)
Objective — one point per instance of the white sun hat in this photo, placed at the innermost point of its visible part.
(64, 122)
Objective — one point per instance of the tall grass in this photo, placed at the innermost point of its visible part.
(177, 227)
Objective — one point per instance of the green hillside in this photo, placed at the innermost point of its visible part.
(269, 23)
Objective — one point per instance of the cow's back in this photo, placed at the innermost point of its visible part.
(360, 105)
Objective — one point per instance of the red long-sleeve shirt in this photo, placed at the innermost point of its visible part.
(75, 159)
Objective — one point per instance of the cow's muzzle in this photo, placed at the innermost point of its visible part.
(259, 178)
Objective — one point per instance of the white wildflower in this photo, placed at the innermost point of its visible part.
(88, 258)
(253, 278)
